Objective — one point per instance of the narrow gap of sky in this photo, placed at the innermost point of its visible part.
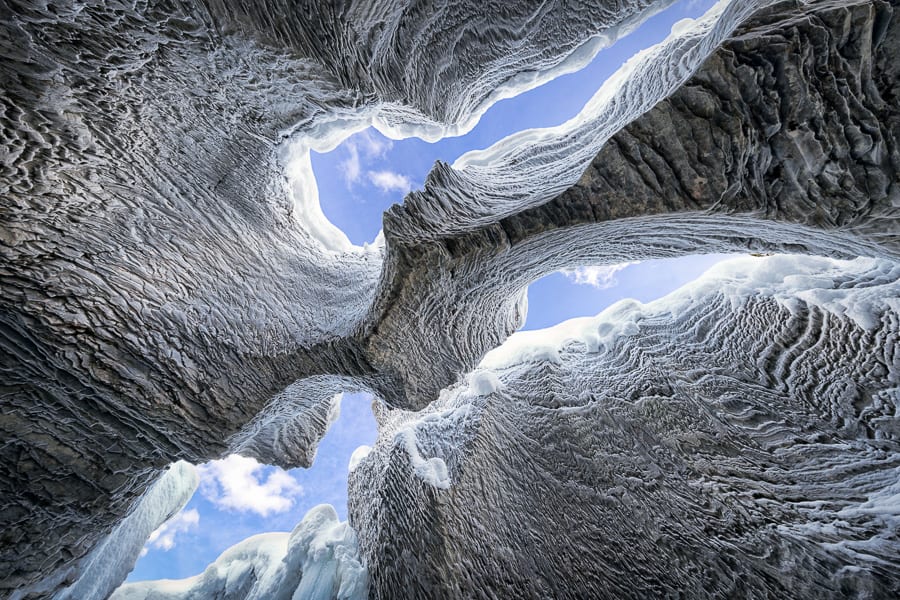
(369, 172)
(586, 291)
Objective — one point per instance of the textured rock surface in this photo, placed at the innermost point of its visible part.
(738, 439)
(156, 290)
(705, 148)
(164, 296)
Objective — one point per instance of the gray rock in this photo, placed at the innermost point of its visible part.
(728, 441)
(162, 299)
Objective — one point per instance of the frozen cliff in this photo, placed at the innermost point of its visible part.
(167, 294)
(736, 439)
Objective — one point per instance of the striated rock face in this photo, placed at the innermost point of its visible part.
(738, 138)
(737, 439)
(166, 294)
(157, 290)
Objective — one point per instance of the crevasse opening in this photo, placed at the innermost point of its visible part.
(342, 178)
(587, 290)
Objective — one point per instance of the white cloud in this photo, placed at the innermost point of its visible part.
(388, 181)
(372, 146)
(350, 167)
(240, 483)
(599, 277)
(363, 145)
(164, 536)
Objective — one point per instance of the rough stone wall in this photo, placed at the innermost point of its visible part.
(160, 299)
(792, 123)
(738, 441)
(157, 292)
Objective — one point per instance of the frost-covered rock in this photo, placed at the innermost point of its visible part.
(168, 292)
(736, 439)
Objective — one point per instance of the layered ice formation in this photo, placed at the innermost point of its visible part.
(168, 293)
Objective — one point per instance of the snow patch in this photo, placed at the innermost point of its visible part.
(358, 456)
(483, 383)
(433, 470)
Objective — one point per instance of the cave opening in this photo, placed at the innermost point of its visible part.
(172, 296)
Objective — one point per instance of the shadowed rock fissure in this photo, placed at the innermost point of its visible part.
(161, 301)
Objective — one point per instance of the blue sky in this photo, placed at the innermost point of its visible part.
(587, 291)
(357, 182)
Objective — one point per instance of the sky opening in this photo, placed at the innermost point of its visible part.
(587, 291)
(368, 172)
